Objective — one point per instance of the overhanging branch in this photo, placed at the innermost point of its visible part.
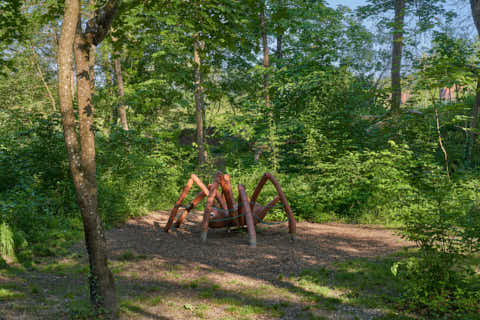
(97, 27)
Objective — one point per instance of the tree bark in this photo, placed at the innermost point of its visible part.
(199, 102)
(266, 62)
(82, 154)
(279, 52)
(93, 49)
(122, 111)
(397, 47)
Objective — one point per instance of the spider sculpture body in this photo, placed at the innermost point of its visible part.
(245, 212)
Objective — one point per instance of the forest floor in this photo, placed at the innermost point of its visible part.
(331, 271)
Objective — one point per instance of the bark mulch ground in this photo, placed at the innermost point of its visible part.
(315, 245)
(174, 276)
(227, 262)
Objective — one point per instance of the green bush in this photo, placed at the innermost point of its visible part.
(444, 221)
(136, 174)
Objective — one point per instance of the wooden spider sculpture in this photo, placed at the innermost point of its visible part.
(230, 214)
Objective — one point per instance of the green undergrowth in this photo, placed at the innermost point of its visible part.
(373, 284)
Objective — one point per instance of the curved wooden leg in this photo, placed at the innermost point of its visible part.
(208, 208)
(243, 199)
(174, 210)
(228, 192)
(199, 197)
(292, 224)
(221, 201)
(183, 195)
(261, 214)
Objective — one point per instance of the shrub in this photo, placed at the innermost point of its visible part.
(445, 223)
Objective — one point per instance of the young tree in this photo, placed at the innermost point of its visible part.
(81, 149)
(423, 10)
(199, 101)
(122, 111)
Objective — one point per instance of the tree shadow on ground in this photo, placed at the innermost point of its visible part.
(174, 276)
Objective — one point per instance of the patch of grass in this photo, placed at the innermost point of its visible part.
(257, 291)
(201, 311)
(128, 255)
(117, 266)
(154, 301)
(130, 307)
(63, 267)
(10, 294)
(360, 282)
(81, 310)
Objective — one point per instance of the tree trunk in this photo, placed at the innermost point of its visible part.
(36, 63)
(279, 52)
(473, 126)
(266, 85)
(82, 155)
(93, 50)
(121, 92)
(199, 102)
(475, 6)
(266, 62)
(107, 67)
(397, 47)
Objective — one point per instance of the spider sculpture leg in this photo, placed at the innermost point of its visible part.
(208, 209)
(243, 199)
(198, 198)
(259, 212)
(219, 200)
(228, 193)
(292, 225)
(186, 189)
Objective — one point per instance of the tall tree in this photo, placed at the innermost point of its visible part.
(397, 46)
(199, 101)
(81, 148)
(266, 85)
(423, 10)
(475, 6)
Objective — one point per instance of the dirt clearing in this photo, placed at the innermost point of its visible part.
(174, 276)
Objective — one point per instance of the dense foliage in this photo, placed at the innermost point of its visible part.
(338, 152)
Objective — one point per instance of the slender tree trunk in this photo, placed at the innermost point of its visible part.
(266, 87)
(110, 84)
(122, 111)
(440, 142)
(279, 52)
(397, 47)
(266, 62)
(36, 63)
(82, 155)
(475, 6)
(199, 102)
(473, 126)
(102, 286)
